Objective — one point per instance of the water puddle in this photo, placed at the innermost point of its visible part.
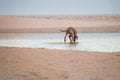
(102, 42)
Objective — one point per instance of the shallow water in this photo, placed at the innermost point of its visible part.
(102, 42)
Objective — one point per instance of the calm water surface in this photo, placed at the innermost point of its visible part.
(102, 42)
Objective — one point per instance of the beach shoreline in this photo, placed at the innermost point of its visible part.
(51, 64)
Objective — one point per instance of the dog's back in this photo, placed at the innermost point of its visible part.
(72, 32)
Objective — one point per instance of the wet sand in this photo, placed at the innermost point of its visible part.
(44, 64)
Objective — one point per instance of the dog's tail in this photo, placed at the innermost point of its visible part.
(63, 30)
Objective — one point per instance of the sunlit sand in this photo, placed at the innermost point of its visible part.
(32, 48)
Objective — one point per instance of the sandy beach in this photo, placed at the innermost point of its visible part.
(52, 24)
(59, 40)
(44, 64)
(12, 26)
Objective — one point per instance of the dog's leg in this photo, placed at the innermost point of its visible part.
(70, 38)
(65, 37)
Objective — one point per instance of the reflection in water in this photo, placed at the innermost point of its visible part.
(106, 43)
(70, 46)
(59, 45)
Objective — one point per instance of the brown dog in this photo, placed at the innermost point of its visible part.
(72, 34)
